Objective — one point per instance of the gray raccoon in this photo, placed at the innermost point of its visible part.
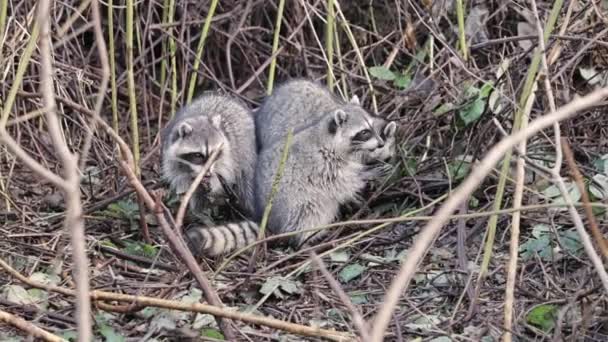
(194, 133)
(326, 167)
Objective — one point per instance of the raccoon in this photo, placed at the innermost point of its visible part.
(194, 133)
(326, 167)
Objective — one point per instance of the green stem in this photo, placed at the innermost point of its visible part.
(329, 43)
(131, 86)
(461, 30)
(112, 58)
(275, 46)
(199, 50)
(21, 68)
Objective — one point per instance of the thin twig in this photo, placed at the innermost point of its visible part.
(181, 212)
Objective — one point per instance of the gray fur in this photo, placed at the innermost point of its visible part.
(325, 167)
(201, 127)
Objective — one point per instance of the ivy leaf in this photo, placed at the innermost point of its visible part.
(278, 285)
(340, 256)
(459, 169)
(382, 73)
(473, 111)
(599, 187)
(350, 272)
(571, 241)
(543, 316)
(402, 81)
(212, 333)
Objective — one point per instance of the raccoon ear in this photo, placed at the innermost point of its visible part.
(339, 117)
(215, 121)
(184, 129)
(355, 100)
(389, 129)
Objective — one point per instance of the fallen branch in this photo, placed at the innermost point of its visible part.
(28, 327)
(196, 307)
(478, 174)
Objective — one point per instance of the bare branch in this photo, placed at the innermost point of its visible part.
(74, 221)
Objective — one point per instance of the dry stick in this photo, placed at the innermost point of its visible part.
(177, 305)
(432, 228)
(74, 221)
(333, 283)
(578, 178)
(28, 327)
(516, 220)
(181, 212)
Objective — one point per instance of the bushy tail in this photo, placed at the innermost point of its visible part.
(212, 241)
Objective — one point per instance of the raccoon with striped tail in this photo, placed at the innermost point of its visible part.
(210, 122)
(326, 166)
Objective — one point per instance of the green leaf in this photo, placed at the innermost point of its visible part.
(402, 81)
(359, 299)
(70, 335)
(601, 164)
(473, 202)
(543, 316)
(486, 89)
(571, 241)
(540, 246)
(599, 187)
(590, 75)
(444, 108)
(140, 248)
(110, 334)
(410, 167)
(19, 295)
(350, 272)
(212, 333)
(125, 209)
(340, 256)
(459, 169)
(551, 191)
(276, 285)
(472, 112)
(382, 73)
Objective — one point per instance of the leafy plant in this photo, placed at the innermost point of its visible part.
(125, 209)
(540, 242)
(140, 248)
(543, 316)
(475, 103)
(400, 80)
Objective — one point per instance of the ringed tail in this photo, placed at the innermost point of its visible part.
(222, 239)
